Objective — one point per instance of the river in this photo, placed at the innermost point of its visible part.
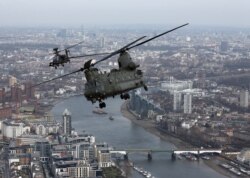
(122, 133)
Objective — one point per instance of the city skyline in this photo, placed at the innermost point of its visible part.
(23, 13)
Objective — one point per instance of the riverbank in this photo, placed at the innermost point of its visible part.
(149, 126)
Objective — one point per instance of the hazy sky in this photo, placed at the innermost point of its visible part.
(235, 13)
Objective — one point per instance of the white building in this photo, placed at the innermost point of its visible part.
(176, 85)
(104, 158)
(244, 98)
(187, 103)
(12, 81)
(79, 168)
(103, 155)
(188, 124)
(46, 128)
(244, 156)
(159, 118)
(13, 129)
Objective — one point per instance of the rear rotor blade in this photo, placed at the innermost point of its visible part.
(57, 77)
(119, 50)
(88, 55)
(86, 66)
(156, 36)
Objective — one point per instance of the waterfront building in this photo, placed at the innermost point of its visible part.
(177, 101)
(98, 146)
(244, 98)
(104, 157)
(82, 138)
(66, 122)
(45, 128)
(187, 103)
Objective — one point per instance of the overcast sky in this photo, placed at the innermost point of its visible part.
(235, 13)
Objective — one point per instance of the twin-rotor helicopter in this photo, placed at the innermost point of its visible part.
(101, 85)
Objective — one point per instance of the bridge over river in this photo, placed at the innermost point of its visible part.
(149, 152)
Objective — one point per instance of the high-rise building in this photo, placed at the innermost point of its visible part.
(177, 101)
(12, 81)
(2, 95)
(224, 46)
(29, 90)
(201, 76)
(187, 103)
(102, 42)
(62, 33)
(244, 98)
(67, 122)
(16, 94)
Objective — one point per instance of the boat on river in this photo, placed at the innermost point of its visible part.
(111, 118)
(99, 111)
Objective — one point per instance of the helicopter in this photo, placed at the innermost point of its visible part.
(60, 59)
(101, 85)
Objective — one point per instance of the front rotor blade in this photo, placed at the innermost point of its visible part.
(156, 36)
(119, 50)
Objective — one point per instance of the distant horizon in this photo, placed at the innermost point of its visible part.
(64, 13)
(122, 26)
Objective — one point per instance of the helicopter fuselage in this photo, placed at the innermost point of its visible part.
(59, 60)
(101, 85)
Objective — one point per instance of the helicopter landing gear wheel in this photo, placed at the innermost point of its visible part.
(126, 96)
(102, 105)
